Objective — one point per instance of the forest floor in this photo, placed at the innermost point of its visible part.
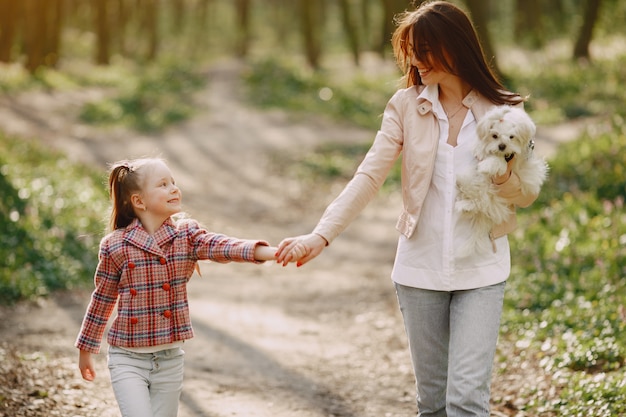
(326, 339)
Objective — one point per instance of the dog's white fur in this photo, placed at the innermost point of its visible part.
(503, 132)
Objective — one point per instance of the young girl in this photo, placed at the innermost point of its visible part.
(145, 263)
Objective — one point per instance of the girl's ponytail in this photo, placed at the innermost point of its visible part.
(123, 182)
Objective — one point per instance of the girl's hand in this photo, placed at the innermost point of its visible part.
(85, 364)
(301, 249)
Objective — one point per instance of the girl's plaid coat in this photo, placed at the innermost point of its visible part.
(148, 275)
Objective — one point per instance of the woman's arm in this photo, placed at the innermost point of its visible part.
(509, 187)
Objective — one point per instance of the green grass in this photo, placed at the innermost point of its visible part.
(146, 98)
(567, 292)
(278, 83)
(51, 219)
(157, 97)
(561, 89)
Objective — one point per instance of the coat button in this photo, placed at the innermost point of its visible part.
(167, 314)
(134, 320)
(163, 261)
(166, 286)
(133, 292)
(131, 265)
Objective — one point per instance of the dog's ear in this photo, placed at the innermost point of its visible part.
(482, 128)
(485, 124)
(526, 128)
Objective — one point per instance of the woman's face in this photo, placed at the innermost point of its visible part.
(430, 71)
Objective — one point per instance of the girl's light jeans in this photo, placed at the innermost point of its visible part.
(452, 338)
(147, 384)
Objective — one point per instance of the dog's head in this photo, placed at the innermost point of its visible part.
(504, 131)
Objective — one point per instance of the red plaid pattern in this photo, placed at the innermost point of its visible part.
(147, 276)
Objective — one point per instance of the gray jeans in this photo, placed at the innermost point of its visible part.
(452, 338)
(147, 384)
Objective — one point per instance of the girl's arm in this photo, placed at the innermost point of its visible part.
(265, 253)
(102, 303)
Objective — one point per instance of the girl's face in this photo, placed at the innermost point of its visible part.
(160, 194)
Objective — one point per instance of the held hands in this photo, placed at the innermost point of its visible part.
(300, 249)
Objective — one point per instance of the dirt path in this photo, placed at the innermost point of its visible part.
(324, 340)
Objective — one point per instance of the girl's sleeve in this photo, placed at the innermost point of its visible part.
(102, 303)
(221, 248)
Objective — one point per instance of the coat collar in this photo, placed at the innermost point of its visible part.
(427, 95)
(136, 235)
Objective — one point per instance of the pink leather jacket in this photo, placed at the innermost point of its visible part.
(409, 127)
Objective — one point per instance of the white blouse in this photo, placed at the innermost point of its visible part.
(430, 258)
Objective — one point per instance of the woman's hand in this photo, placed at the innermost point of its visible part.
(85, 364)
(301, 249)
(501, 179)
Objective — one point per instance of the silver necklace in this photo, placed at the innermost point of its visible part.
(450, 116)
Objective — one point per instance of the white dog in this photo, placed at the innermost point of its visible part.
(504, 133)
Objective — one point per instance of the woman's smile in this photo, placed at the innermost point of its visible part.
(423, 72)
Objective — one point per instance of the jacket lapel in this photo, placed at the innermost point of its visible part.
(478, 104)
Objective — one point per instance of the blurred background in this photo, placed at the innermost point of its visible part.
(138, 67)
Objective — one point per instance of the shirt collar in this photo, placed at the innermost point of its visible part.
(430, 95)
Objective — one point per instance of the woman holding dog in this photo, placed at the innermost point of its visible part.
(451, 304)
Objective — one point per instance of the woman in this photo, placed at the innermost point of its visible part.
(451, 304)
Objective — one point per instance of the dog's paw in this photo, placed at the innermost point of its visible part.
(492, 166)
(465, 206)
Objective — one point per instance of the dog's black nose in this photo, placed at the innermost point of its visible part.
(502, 146)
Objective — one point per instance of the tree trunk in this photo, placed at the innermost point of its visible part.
(103, 37)
(390, 9)
(366, 24)
(202, 14)
(243, 26)
(581, 49)
(351, 30)
(34, 33)
(53, 38)
(178, 16)
(9, 16)
(151, 16)
(122, 12)
(281, 14)
(528, 24)
(310, 16)
(479, 10)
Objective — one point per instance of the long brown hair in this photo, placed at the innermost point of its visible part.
(444, 37)
(125, 179)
